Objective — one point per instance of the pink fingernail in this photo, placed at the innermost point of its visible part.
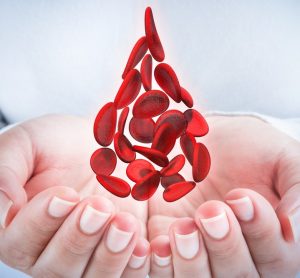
(136, 261)
(117, 240)
(294, 219)
(242, 208)
(216, 227)
(187, 245)
(59, 207)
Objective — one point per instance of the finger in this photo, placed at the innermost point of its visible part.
(113, 252)
(28, 234)
(227, 250)
(161, 258)
(76, 239)
(188, 250)
(261, 229)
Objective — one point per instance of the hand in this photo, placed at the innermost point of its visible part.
(258, 164)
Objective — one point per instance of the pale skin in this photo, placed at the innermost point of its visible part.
(49, 157)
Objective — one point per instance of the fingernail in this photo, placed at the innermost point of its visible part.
(162, 261)
(59, 207)
(217, 227)
(136, 262)
(5, 205)
(117, 240)
(242, 208)
(92, 220)
(187, 245)
(294, 219)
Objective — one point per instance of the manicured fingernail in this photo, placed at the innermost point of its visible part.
(117, 240)
(217, 227)
(294, 219)
(92, 220)
(242, 208)
(5, 205)
(136, 261)
(162, 261)
(187, 245)
(59, 207)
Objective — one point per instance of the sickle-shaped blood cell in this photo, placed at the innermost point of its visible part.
(129, 89)
(150, 104)
(164, 138)
(138, 168)
(136, 55)
(153, 40)
(146, 72)
(197, 125)
(177, 190)
(174, 166)
(175, 118)
(115, 185)
(105, 124)
(167, 181)
(123, 148)
(122, 119)
(166, 78)
(201, 162)
(187, 143)
(155, 156)
(186, 98)
(146, 187)
(103, 161)
(142, 130)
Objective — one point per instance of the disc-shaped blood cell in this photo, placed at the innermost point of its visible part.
(105, 124)
(186, 98)
(136, 55)
(150, 104)
(122, 119)
(146, 72)
(153, 40)
(201, 162)
(139, 168)
(187, 143)
(175, 118)
(146, 187)
(114, 185)
(197, 125)
(166, 78)
(167, 181)
(155, 156)
(164, 138)
(174, 166)
(123, 148)
(129, 89)
(103, 161)
(178, 190)
(142, 130)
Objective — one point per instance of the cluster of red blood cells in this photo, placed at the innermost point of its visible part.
(161, 134)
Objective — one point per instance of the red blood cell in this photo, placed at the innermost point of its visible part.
(138, 168)
(114, 185)
(187, 143)
(155, 156)
(186, 98)
(142, 130)
(197, 125)
(123, 148)
(153, 40)
(150, 104)
(166, 78)
(105, 124)
(146, 72)
(174, 166)
(201, 162)
(129, 89)
(167, 181)
(175, 118)
(164, 138)
(122, 119)
(136, 55)
(146, 187)
(178, 190)
(103, 161)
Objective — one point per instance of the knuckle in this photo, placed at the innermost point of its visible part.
(226, 250)
(45, 272)
(75, 245)
(106, 264)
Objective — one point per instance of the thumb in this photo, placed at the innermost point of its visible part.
(16, 167)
